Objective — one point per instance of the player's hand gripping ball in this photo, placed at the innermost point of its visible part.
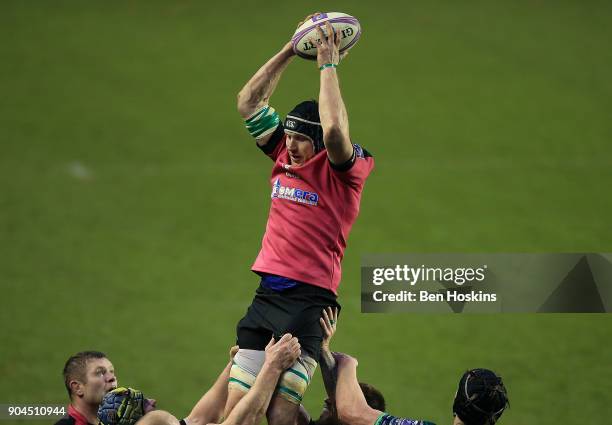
(121, 406)
(346, 25)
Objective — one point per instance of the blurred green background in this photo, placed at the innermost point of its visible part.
(132, 200)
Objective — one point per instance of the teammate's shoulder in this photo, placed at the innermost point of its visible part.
(387, 419)
(66, 420)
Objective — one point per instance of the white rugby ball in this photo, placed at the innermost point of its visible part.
(347, 25)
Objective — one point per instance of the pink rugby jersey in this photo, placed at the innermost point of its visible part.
(312, 210)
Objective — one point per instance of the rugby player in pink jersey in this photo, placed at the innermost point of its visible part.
(317, 179)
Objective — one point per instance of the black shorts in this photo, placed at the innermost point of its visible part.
(296, 311)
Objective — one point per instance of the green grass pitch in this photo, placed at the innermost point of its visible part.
(132, 201)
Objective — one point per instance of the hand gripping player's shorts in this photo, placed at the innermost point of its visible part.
(386, 419)
(292, 384)
(297, 311)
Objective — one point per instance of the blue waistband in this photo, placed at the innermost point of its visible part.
(277, 283)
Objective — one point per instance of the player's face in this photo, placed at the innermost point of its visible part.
(100, 380)
(300, 148)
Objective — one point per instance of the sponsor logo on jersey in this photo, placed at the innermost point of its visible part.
(293, 194)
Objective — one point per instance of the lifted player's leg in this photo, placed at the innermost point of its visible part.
(296, 311)
(285, 405)
(282, 412)
(290, 390)
(246, 365)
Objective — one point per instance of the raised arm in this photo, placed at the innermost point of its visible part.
(332, 111)
(351, 404)
(210, 407)
(328, 363)
(256, 94)
(252, 407)
(258, 90)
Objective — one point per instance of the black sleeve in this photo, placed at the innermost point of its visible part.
(345, 166)
(358, 151)
(276, 137)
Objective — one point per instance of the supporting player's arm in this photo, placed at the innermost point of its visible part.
(328, 321)
(332, 111)
(210, 407)
(350, 402)
(252, 407)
